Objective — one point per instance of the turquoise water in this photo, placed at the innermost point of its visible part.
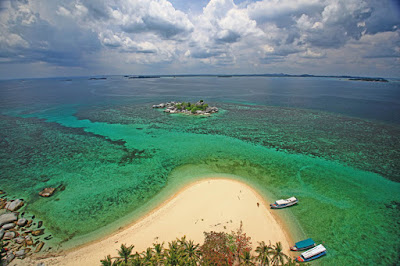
(118, 158)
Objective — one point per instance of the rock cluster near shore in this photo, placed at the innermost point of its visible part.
(21, 235)
(199, 108)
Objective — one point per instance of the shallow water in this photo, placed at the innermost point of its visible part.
(117, 157)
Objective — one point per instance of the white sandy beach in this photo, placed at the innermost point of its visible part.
(207, 205)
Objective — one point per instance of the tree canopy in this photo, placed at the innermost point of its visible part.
(219, 248)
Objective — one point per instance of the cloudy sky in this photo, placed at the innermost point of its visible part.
(41, 38)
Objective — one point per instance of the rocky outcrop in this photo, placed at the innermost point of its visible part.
(22, 253)
(8, 218)
(47, 192)
(10, 235)
(9, 258)
(20, 236)
(38, 232)
(8, 226)
(22, 222)
(39, 247)
(14, 205)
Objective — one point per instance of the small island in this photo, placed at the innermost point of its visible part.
(199, 108)
(369, 79)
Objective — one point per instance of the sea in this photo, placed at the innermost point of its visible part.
(331, 142)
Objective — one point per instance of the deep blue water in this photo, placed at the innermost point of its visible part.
(370, 100)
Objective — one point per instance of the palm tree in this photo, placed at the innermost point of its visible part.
(173, 254)
(263, 251)
(158, 257)
(191, 252)
(148, 256)
(125, 253)
(278, 255)
(137, 260)
(107, 261)
(246, 258)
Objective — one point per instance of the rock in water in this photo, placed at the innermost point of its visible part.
(29, 240)
(19, 240)
(14, 205)
(9, 235)
(22, 252)
(22, 222)
(2, 203)
(47, 192)
(29, 223)
(8, 258)
(39, 247)
(8, 226)
(40, 223)
(38, 232)
(8, 218)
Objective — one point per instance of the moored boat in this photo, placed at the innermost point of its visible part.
(303, 245)
(312, 254)
(284, 203)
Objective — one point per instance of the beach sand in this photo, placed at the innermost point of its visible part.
(206, 205)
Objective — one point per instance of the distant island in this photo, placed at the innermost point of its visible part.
(103, 78)
(199, 108)
(278, 75)
(370, 79)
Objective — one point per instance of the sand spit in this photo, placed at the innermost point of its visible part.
(206, 205)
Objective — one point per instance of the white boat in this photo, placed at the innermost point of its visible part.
(284, 203)
(312, 254)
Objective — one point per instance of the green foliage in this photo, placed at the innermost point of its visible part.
(219, 248)
(264, 252)
(194, 109)
(125, 253)
(108, 261)
(246, 258)
(278, 256)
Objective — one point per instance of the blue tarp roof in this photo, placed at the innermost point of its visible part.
(305, 243)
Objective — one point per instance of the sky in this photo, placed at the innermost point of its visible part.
(45, 38)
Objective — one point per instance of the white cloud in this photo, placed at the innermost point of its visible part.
(312, 54)
(222, 35)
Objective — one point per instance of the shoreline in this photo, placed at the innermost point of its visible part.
(132, 231)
